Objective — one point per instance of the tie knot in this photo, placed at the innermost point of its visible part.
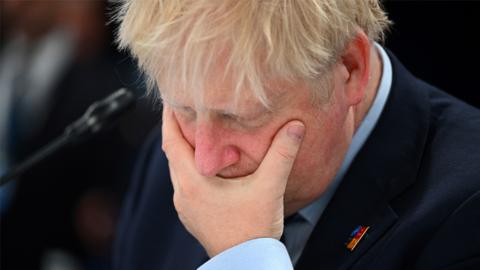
(292, 219)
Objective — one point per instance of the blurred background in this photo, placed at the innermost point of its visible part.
(438, 42)
(57, 57)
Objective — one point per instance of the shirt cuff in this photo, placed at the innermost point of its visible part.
(256, 254)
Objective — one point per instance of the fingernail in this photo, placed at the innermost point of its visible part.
(296, 131)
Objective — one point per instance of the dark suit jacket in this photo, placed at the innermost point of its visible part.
(415, 182)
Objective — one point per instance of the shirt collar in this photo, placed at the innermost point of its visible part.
(314, 211)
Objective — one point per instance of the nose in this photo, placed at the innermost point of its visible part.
(213, 150)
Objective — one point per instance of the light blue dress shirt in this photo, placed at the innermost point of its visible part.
(269, 253)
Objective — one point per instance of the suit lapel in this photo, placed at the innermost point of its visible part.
(374, 179)
(358, 203)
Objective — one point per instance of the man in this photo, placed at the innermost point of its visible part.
(290, 109)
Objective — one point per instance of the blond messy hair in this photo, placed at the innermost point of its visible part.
(177, 42)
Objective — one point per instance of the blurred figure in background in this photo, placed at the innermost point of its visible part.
(56, 60)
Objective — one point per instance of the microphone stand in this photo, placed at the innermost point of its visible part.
(100, 115)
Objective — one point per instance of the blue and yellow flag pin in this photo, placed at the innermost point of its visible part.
(356, 236)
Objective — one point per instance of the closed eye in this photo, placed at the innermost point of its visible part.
(228, 116)
(186, 112)
(237, 121)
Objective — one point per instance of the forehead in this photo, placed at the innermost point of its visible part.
(217, 85)
(213, 78)
(219, 92)
(213, 96)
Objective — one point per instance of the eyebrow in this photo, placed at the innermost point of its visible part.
(245, 114)
(173, 104)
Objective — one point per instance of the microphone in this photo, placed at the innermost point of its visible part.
(99, 116)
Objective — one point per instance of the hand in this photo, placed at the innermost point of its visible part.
(221, 213)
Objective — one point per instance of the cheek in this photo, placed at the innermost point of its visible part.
(252, 145)
(255, 145)
(320, 155)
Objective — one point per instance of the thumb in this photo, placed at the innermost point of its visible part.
(278, 161)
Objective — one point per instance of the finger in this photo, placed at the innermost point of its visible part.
(177, 149)
(278, 162)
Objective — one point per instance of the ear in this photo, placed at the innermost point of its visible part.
(356, 61)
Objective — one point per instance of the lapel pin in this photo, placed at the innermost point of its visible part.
(356, 236)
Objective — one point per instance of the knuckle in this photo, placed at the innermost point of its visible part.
(168, 145)
(187, 191)
(177, 202)
(165, 145)
(185, 197)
